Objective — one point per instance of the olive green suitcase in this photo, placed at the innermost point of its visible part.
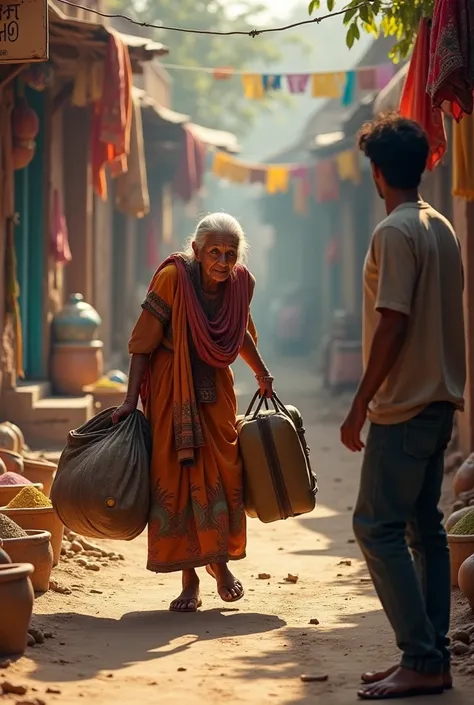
(278, 480)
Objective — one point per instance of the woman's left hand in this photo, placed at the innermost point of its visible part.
(265, 385)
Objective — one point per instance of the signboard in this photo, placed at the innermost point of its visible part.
(24, 31)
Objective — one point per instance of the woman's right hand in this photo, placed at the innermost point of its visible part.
(123, 411)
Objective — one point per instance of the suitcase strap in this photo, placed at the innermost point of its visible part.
(281, 493)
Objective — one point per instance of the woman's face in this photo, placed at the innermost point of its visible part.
(218, 257)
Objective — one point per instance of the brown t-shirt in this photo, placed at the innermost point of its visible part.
(414, 266)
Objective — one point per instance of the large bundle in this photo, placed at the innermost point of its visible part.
(102, 485)
(278, 480)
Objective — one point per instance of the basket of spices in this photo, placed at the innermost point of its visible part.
(461, 544)
(32, 510)
(28, 546)
(11, 483)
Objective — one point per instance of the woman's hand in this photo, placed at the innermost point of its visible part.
(265, 384)
(123, 411)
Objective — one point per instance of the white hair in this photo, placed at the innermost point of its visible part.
(222, 224)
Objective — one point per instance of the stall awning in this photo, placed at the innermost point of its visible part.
(164, 114)
(71, 38)
(215, 138)
(389, 98)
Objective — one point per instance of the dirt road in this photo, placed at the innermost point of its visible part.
(115, 642)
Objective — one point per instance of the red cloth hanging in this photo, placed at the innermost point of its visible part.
(60, 249)
(152, 253)
(415, 103)
(190, 172)
(451, 69)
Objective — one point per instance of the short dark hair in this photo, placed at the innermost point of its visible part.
(397, 146)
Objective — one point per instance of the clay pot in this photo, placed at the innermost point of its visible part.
(77, 322)
(75, 366)
(16, 598)
(23, 153)
(25, 121)
(8, 438)
(466, 579)
(40, 519)
(464, 478)
(107, 398)
(9, 492)
(4, 557)
(456, 516)
(40, 471)
(460, 549)
(19, 434)
(13, 461)
(35, 549)
(3, 467)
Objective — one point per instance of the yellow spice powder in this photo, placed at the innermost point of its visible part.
(29, 498)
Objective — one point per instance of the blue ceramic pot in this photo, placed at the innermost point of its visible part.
(77, 322)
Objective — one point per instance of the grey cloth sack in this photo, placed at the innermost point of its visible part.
(102, 484)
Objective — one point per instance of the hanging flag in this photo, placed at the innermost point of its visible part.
(298, 83)
(328, 85)
(221, 164)
(299, 172)
(367, 79)
(349, 89)
(224, 73)
(253, 86)
(278, 179)
(271, 82)
(327, 182)
(348, 166)
(258, 175)
(383, 75)
(301, 193)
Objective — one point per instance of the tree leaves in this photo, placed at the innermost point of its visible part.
(313, 6)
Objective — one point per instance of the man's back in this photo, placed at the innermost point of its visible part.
(414, 267)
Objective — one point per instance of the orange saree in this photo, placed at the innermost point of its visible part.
(197, 515)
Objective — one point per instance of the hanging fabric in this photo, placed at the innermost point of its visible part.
(190, 172)
(328, 85)
(301, 194)
(367, 79)
(59, 239)
(131, 192)
(271, 82)
(383, 75)
(297, 83)
(277, 179)
(415, 102)
(451, 65)
(223, 74)
(349, 93)
(348, 166)
(463, 158)
(253, 86)
(327, 182)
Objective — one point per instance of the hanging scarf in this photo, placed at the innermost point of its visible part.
(451, 71)
(217, 343)
(415, 102)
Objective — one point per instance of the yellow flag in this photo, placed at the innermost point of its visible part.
(348, 166)
(328, 85)
(253, 86)
(277, 179)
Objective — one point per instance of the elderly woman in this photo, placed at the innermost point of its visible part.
(195, 322)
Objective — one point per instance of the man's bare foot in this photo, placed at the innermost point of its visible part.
(229, 588)
(403, 683)
(376, 676)
(190, 598)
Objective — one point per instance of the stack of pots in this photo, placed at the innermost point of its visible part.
(461, 547)
(77, 358)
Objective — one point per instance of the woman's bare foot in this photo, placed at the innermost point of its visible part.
(229, 588)
(190, 598)
(403, 683)
(376, 676)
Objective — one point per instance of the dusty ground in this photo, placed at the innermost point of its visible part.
(119, 644)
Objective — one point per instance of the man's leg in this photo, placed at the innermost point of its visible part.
(428, 542)
(391, 483)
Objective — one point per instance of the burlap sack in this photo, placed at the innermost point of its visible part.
(102, 485)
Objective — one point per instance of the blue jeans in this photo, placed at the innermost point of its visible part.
(398, 526)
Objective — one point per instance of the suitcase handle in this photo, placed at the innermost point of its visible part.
(277, 405)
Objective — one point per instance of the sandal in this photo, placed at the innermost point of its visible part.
(222, 587)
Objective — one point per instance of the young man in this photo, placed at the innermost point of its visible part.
(414, 362)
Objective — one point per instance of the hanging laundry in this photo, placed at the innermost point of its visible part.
(299, 172)
(278, 178)
(383, 75)
(451, 70)
(258, 175)
(59, 239)
(328, 85)
(367, 79)
(271, 82)
(223, 74)
(301, 194)
(131, 191)
(253, 86)
(190, 172)
(298, 83)
(152, 253)
(112, 118)
(348, 95)
(348, 166)
(238, 173)
(327, 182)
(220, 164)
(415, 103)
(463, 158)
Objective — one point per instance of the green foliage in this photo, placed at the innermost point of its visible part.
(399, 18)
(218, 104)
